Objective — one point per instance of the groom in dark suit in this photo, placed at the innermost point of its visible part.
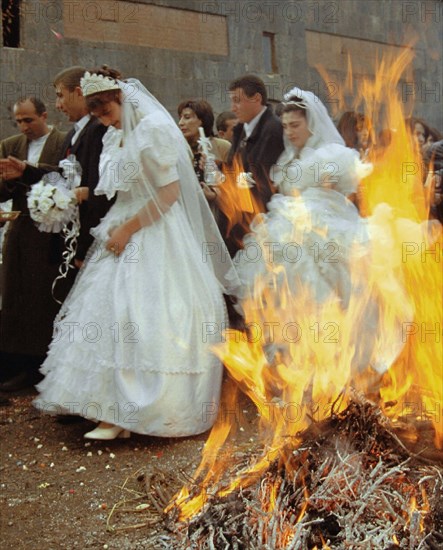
(257, 143)
(84, 141)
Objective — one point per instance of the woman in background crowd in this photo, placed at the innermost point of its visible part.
(356, 130)
(195, 114)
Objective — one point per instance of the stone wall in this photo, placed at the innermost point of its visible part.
(194, 48)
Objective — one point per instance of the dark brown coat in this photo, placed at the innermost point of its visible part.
(30, 260)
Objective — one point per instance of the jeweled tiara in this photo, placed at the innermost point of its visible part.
(96, 83)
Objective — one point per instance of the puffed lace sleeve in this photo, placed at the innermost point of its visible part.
(158, 152)
(110, 177)
(340, 168)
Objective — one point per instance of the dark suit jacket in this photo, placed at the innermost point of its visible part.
(87, 150)
(260, 151)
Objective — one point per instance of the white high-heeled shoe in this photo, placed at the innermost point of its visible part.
(115, 432)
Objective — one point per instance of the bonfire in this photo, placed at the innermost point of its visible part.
(336, 466)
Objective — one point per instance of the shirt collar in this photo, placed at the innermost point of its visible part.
(249, 127)
(80, 124)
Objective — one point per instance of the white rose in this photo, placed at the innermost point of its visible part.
(45, 204)
(61, 199)
(31, 201)
(37, 216)
(48, 191)
(36, 191)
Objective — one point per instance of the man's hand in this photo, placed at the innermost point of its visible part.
(211, 193)
(11, 168)
(81, 194)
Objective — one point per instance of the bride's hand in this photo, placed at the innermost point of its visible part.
(118, 239)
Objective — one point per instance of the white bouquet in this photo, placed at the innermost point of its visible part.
(51, 201)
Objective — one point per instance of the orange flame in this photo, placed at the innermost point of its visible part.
(397, 180)
(305, 505)
(189, 504)
(236, 199)
(299, 357)
(416, 512)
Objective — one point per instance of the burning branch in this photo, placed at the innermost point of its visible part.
(350, 486)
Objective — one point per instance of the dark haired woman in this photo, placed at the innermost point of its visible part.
(419, 131)
(195, 114)
(434, 181)
(356, 130)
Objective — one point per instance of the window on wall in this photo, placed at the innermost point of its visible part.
(11, 23)
(269, 59)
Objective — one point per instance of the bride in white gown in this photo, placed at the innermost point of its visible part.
(311, 223)
(304, 245)
(131, 347)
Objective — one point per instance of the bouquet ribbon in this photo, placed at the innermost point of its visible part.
(70, 231)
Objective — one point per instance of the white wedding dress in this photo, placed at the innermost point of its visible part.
(132, 342)
(308, 261)
(310, 227)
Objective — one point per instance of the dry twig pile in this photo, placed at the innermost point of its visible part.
(351, 484)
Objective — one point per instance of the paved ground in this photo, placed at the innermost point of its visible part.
(57, 490)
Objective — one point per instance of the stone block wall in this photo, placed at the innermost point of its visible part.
(194, 48)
